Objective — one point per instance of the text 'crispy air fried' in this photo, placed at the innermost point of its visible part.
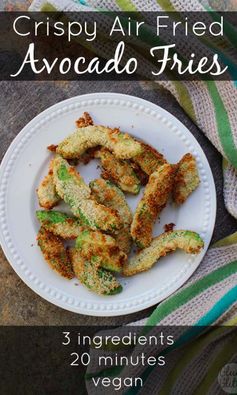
(55, 253)
(186, 178)
(167, 242)
(155, 197)
(118, 171)
(72, 189)
(94, 277)
(121, 144)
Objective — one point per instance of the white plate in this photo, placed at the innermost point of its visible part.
(26, 162)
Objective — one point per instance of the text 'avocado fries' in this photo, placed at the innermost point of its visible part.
(101, 222)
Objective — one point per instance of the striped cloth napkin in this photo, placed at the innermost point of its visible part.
(210, 297)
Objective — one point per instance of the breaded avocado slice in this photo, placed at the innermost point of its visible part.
(95, 278)
(154, 199)
(73, 190)
(119, 171)
(111, 196)
(167, 242)
(121, 144)
(101, 249)
(46, 192)
(149, 159)
(186, 178)
(55, 253)
(60, 224)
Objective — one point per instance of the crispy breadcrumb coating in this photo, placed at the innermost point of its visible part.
(84, 120)
(169, 227)
(186, 178)
(118, 171)
(149, 159)
(72, 189)
(60, 224)
(52, 147)
(155, 197)
(55, 253)
(101, 249)
(111, 196)
(121, 144)
(97, 279)
(167, 242)
(46, 192)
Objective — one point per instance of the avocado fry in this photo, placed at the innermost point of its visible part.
(167, 242)
(101, 249)
(111, 196)
(72, 189)
(154, 199)
(118, 171)
(186, 179)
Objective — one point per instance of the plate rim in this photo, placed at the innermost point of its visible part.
(60, 303)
